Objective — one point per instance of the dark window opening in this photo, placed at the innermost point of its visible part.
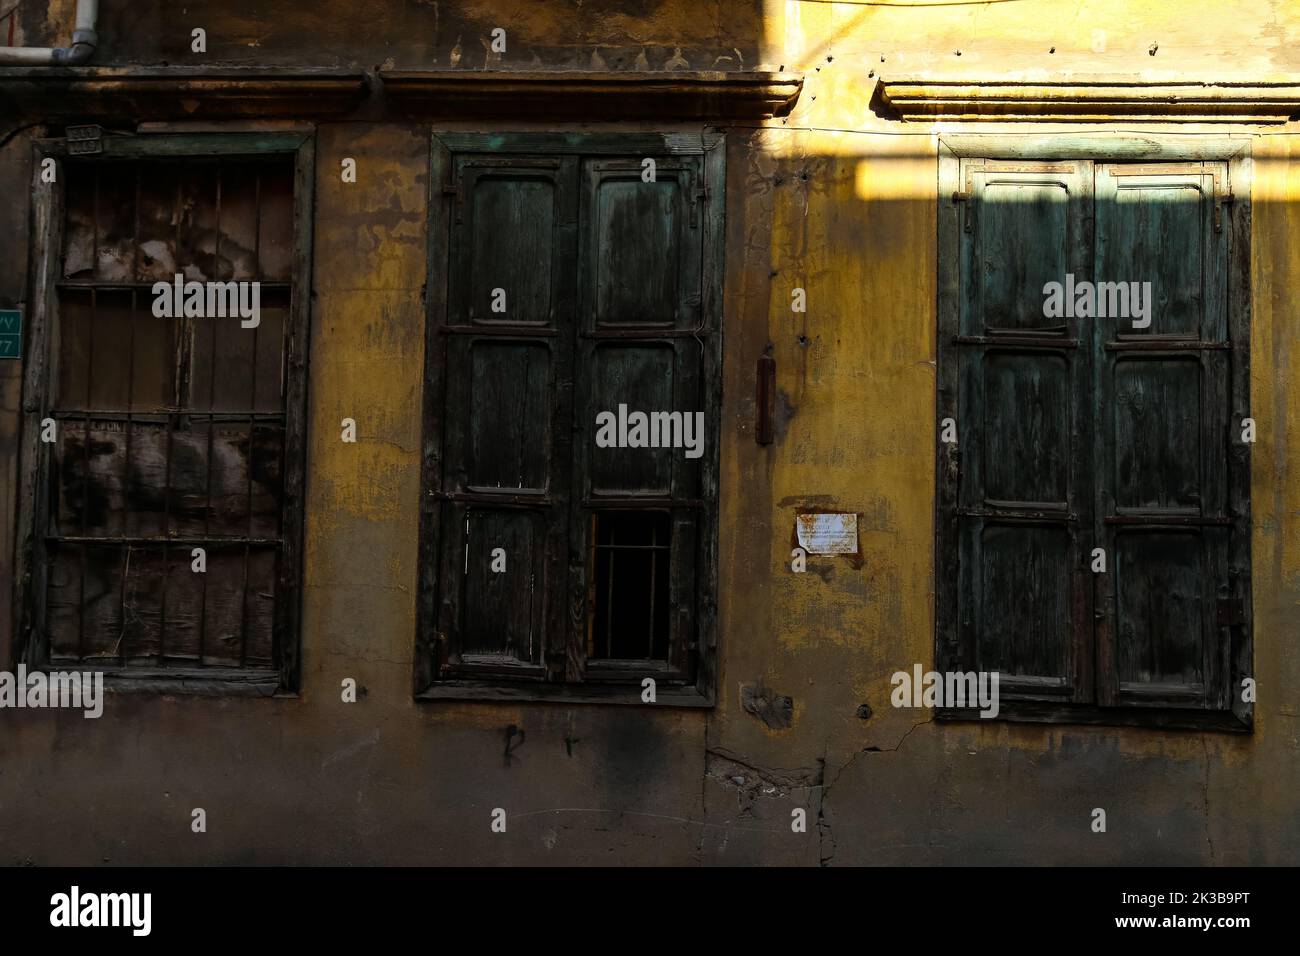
(630, 601)
(164, 524)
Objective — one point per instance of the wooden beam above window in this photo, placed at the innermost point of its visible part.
(581, 95)
(170, 93)
(920, 99)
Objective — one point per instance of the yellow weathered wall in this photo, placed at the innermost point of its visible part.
(852, 219)
(833, 199)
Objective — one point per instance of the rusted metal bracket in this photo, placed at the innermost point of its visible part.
(765, 398)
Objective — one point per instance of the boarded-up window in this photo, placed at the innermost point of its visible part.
(1095, 421)
(166, 506)
(576, 286)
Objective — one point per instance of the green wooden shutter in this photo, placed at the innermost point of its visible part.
(1162, 408)
(1152, 472)
(507, 416)
(1014, 502)
(641, 344)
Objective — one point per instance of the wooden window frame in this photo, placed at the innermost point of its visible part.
(31, 645)
(611, 684)
(1099, 147)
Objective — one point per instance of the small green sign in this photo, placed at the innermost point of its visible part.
(11, 334)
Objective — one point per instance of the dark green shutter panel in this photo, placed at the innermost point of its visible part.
(506, 221)
(1016, 509)
(1163, 411)
(506, 436)
(640, 345)
(1147, 462)
(642, 242)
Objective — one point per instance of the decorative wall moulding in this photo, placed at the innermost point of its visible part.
(914, 99)
(468, 94)
(40, 94)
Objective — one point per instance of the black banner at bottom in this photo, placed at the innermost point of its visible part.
(215, 905)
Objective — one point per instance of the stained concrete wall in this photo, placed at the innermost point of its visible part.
(832, 199)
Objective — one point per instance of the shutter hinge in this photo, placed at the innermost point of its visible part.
(1219, 201)
(968, 215)
(1222, 194)
(454, 188)
(698, 198)
(967, 196)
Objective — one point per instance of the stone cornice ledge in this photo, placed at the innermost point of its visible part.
(597, 96)
(156, 93)
(920, 99)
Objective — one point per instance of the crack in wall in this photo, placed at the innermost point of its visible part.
(729, 769)
(752, 783)
(824, 832)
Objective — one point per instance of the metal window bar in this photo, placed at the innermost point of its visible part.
(123, 285)
(85, 435)
(654, 564)
(611, 549)
(130, 399)
(212, 392)
(130, 538)
(609, 592)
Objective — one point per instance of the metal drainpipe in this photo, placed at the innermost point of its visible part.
(82, 49)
